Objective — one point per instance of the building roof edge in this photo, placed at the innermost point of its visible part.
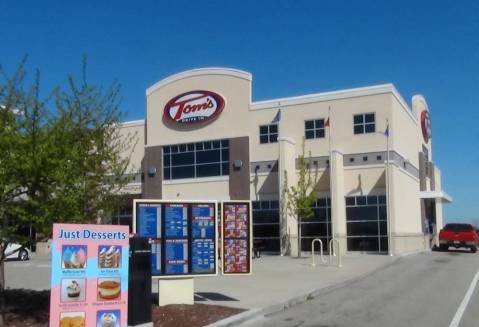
(133, 123)
(198, 72)
(324, 96)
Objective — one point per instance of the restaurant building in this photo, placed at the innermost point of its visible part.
(204, 138)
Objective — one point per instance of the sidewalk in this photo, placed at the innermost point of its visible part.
(278, 282)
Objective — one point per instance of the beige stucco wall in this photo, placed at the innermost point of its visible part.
(204, 189)
(439, 213)
(365, 180)
(404, 131)
(136, 131)
(288, 176)
(405, 207)
(405, 212)
(264, 186)
(341, 120)
(406, 243)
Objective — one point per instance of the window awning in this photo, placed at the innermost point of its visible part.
(438, 195)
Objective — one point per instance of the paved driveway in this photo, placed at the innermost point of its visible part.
(421, 291)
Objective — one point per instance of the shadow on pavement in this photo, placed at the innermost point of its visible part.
(452, 251)
(202, 297)
(211, 296)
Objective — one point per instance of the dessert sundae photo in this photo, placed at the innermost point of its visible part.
(109, 256)
(72, 319)
(74, 257)
(109, 289)
(108, 318)
(73, 290)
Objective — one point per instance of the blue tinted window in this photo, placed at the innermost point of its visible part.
(364, 123)
(202, 159)
(314, 129)
(268, 134)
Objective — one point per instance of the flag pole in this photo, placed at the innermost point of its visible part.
(330, 178)
(280, 181)
(387, 190)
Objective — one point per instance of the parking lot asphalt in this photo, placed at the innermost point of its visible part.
(33, 274)
(279, 283)
(426, 290)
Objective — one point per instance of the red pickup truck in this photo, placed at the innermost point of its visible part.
(458, 235)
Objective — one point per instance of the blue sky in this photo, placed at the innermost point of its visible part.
(290, 47)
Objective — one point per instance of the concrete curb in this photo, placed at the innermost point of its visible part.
(237, 319)
(254, 313)
(406, 254)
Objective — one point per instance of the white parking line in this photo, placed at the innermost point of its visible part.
(460, 311)
(21, 265)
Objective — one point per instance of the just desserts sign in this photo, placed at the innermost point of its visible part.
(193, 107)
(89, 283)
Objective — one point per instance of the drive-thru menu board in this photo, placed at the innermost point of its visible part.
(89, 282)
(182, 236)
(150, 226)
(237, 237)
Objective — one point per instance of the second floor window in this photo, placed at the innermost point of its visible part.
(194, 160)
(364, 123)
(314, 129)
(268, 133)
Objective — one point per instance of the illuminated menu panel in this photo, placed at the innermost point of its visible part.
(203, 221)
(203, 256)
(150, 226)
(150, 223)
(236, 238)
(176, 220)
(176, 257)
(156, 257)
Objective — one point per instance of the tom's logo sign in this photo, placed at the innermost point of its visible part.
(194, 107)
(425, 126)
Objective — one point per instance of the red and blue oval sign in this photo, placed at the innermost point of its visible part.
(425, 125)
(194, 107)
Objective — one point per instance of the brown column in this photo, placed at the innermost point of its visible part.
(432, 176)
(152, 167)
(423, 215)
(422, 172)
(239, 176)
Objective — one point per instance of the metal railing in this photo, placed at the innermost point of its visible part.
(320, 251)
(332, 252)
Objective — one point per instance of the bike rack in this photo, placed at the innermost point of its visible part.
(331, 252)
(320, 252)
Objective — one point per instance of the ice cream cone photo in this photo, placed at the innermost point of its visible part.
(74, 257)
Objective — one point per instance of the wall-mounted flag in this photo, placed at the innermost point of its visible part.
(277, 118)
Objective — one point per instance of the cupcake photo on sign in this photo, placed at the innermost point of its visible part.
(74, 256)
(108, 318)
(73, 290)
(109, 256)
(109, 289)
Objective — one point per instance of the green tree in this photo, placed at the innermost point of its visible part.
(11, 98)
(60, 158)
(300, 198)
